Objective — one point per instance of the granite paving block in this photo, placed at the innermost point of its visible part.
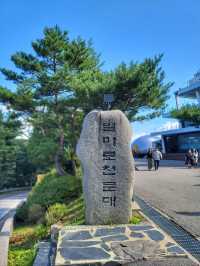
(155, 235)
(114, 238)
(87, 253)
(176, 249)
(78, 243)
(109, 231)
(77, 235)
(137, 235)
(140, 227)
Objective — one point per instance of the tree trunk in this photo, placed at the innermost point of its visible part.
(73, 143)
(73, 161)
(59, 155)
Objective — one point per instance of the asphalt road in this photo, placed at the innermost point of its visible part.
(10, 202)
(173, 189)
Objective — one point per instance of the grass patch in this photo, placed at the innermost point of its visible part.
(21, 257)
(75, 214)
(22, 249)
(67, 214)
(136, 218)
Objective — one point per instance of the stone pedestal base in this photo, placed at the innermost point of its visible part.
(122, 244)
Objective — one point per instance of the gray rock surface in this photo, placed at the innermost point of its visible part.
(109, 231)
(136, 250)
(89, 253)
(116, 245)
(105, 154)
(155, 235)
(81, 235)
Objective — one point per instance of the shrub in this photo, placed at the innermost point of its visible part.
(27, 236)
(55, 213)
(55, 189)
(22, 213)
(36, 213)
(50, 190)
(21, 257)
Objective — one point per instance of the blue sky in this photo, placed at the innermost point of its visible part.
(121, 31)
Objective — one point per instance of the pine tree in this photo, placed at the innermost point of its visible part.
(62, 80)
(8, 131)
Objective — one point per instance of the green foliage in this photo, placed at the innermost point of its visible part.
(23, 241)
(41, 151)
(55, 213)
(136, 87)
(25, 236)
(36, 213)
(22, 213)
(21, 256)
(8, 131)
(52, 189)
(190, 113)
(135, 219)
(25, 169)
(75, 212)
(15, 167)
(22, 249)
(55, 189)
(72, 213)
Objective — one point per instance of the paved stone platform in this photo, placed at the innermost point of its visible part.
(83, 245)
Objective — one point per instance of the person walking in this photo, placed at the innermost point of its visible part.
(188, 158)
(150, 159)
(157, 156)
(195, 155)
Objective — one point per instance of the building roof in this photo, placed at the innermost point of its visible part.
(178, 131)
(190, 90)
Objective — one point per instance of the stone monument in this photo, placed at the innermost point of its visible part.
(105, 153)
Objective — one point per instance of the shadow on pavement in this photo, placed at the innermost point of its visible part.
(179, 166)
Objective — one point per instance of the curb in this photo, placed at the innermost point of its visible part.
(5, 234)
(43, 254)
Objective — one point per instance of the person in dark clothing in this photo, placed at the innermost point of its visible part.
(188, 158)
(150, 159)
